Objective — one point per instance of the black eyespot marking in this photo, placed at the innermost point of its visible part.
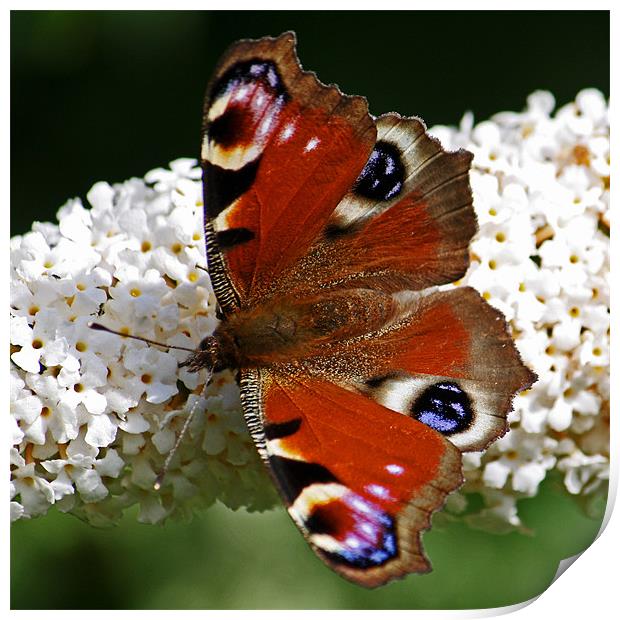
(282, 429)
(444, 407)
(365, 534)
(383, 175)
(295, 475)
(223, 186)
(233, 236)
(247, 71)
(225, 129)
(317, 523)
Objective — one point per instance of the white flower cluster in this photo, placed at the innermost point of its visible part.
(541, 194)
(94, 415)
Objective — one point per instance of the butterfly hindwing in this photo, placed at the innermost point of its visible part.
(359, 480)
(446, 359)
(405, 224)
(279, 151)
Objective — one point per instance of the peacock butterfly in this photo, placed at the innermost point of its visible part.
(327, 233)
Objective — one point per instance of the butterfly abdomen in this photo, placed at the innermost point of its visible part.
(292, 328)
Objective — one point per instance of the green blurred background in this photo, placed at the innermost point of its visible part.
(110, 95)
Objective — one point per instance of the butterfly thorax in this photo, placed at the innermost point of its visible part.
(291, 329)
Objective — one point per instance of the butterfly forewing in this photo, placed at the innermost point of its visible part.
(279, 152)
(359, 480)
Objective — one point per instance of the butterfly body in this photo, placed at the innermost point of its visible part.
(327, 234)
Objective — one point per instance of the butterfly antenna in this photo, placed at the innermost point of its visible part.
(160, 477)
(103, 328)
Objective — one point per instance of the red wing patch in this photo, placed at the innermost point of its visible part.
(358, 479)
